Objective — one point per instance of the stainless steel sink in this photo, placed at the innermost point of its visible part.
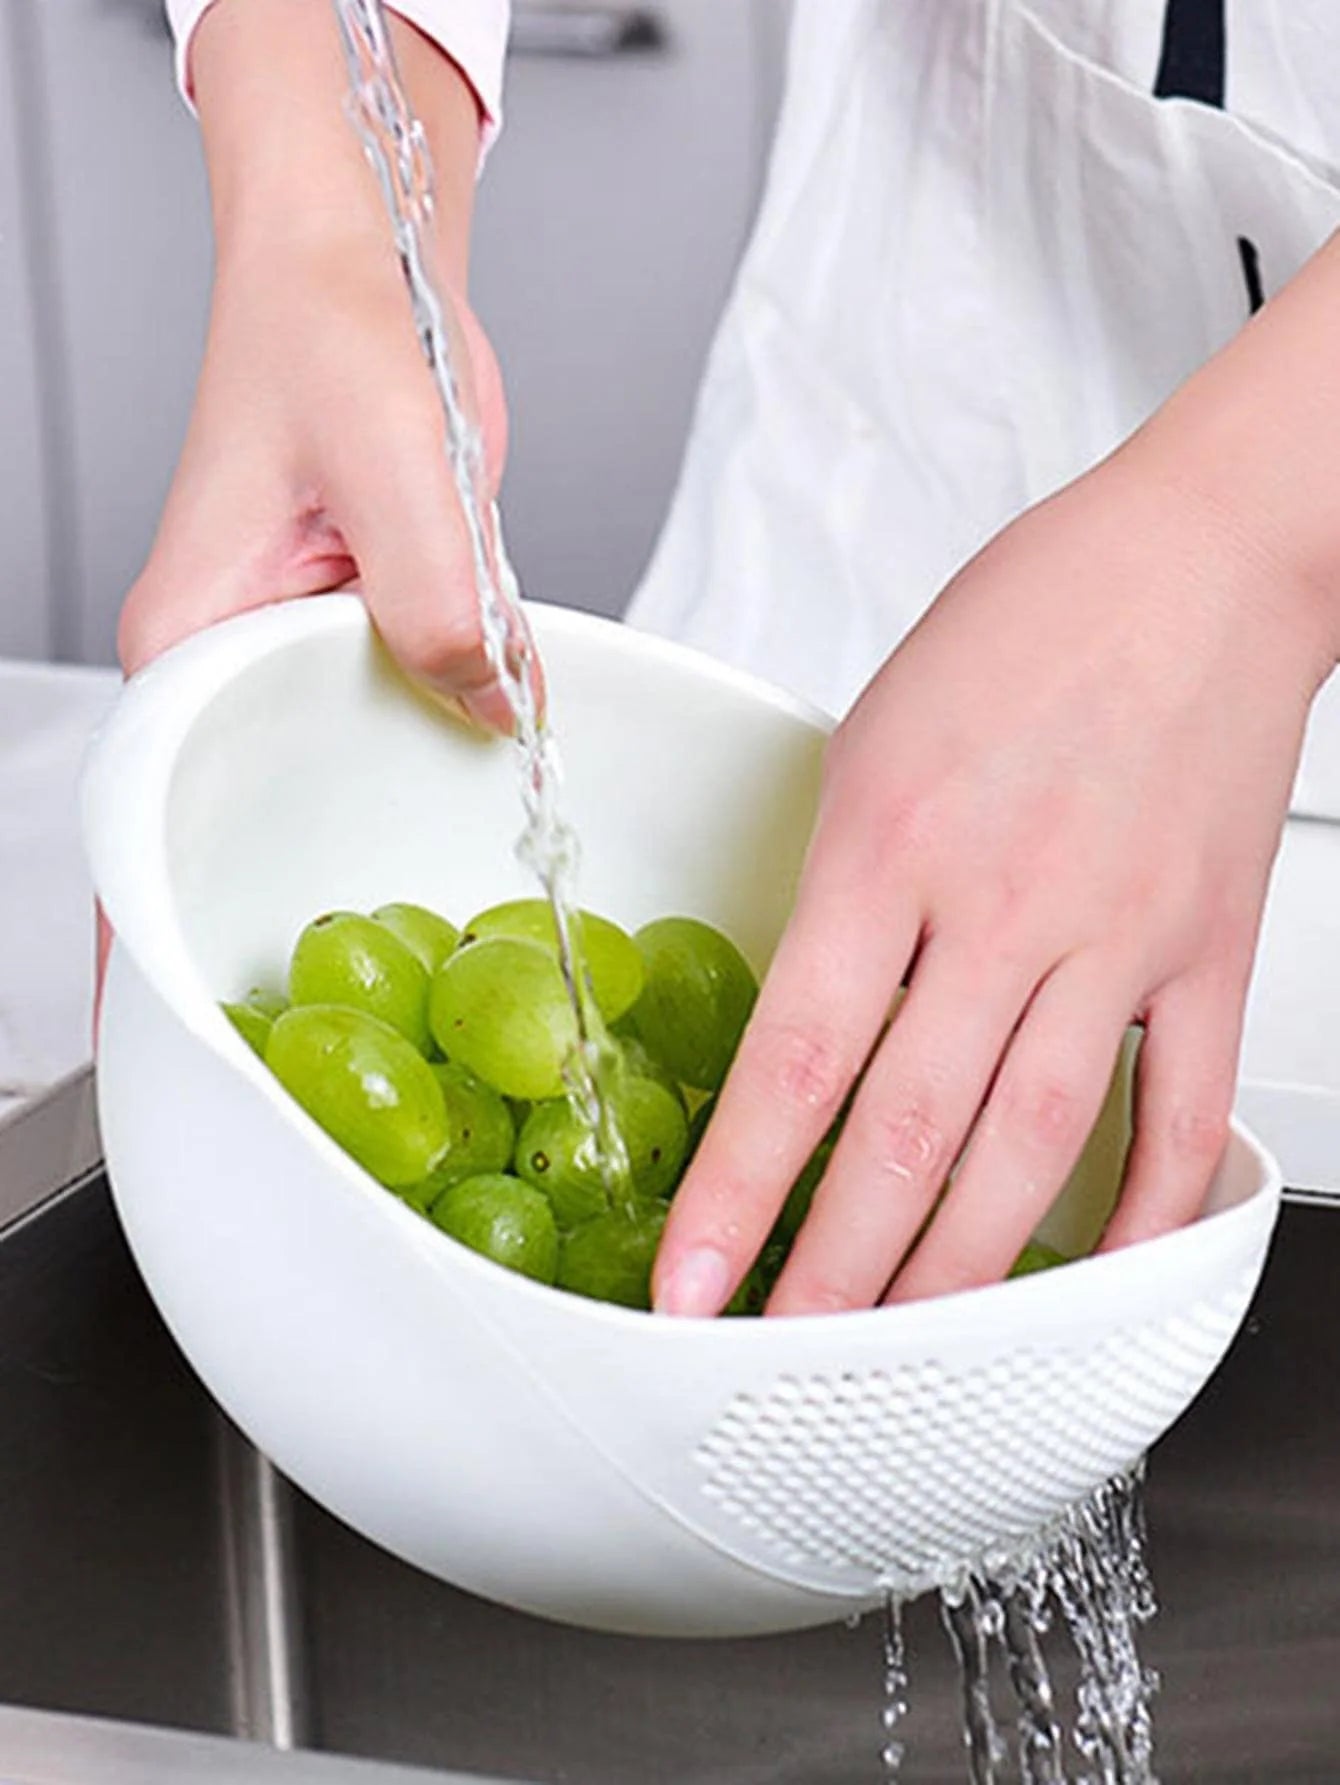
(156, 1570)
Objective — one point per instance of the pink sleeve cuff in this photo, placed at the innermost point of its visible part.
(472, 32)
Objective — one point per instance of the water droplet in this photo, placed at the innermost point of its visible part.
(895, 1685)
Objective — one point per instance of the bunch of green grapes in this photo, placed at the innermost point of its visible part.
(436, 1057)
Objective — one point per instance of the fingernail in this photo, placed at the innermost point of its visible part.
(698, 1285)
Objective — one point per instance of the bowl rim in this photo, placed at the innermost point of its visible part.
(148, 726)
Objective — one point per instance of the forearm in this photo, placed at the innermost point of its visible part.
(1254, 437)
(285, 166)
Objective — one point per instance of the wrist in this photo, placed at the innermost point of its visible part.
(288, 177)
(1250, 446)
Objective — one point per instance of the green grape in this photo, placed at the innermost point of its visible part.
(254, 1017)
(481, 1133)
(506, 1220)
(268, 1003)
(698, 1127)
(639, 1062)
(697, 998)
(1037, 1257)
(367, 1086)
(556, 1150)
(797, 1205)
(345, 958)
(751, 1297)
(423, 932)
(251, 1024)
(501, 1008)
(554, 1154)
(610, 1259)
(609, 954)
(655, 1132)
(772, 1262)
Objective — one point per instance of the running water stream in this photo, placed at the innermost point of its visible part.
(395, 145)
(1084, 1580)
(1090, 1567)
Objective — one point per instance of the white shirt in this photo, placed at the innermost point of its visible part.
(987, 251)
(472, 32)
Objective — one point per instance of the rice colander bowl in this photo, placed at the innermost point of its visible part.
(583, 1462)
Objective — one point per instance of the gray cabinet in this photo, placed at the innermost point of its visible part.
(25, 446)
(129, 271)
(611, 217)
(609, 222)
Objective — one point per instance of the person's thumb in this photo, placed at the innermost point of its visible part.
(399, 510)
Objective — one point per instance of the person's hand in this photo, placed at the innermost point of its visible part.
(316, 449)
(1054, 811)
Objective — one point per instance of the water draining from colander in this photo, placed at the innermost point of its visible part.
(1086, 1578)
(395, 145)
(895, 1688)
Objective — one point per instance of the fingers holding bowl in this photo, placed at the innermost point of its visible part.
(1184, 1087)
(1047, 1094)
(821, 1009)
(968, 1122)
(907, 1125)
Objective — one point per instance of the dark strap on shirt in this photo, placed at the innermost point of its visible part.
(1191, 65)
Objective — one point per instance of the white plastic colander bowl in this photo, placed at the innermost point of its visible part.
(576, 1460)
